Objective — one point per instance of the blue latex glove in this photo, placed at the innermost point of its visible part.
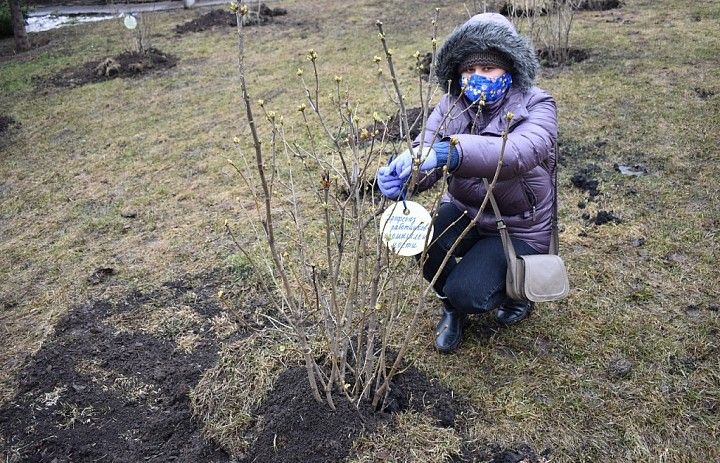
(391, 178)
(437, 157)
(389, 183)
(401, 165)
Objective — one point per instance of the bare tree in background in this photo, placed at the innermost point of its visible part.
(18, 24)
(547, 22)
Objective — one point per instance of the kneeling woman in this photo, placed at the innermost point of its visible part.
(489, 69)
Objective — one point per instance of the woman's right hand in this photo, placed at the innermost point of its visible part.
(402, 164)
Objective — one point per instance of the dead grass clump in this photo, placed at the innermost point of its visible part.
(178, 324)
(167, 322)
(131, 388)
(227, 394)
(409, 437)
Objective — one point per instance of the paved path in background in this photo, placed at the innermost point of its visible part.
(118, 8)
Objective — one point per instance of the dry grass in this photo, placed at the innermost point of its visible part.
(408, 437)
(158, 146)
(227, 394)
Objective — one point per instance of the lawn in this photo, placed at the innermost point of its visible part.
(132, 174)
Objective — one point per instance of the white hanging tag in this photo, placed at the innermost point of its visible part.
(130, 22)
(404, 228)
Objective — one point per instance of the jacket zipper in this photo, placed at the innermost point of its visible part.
(530, 196)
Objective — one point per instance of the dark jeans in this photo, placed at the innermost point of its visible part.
(475, 283)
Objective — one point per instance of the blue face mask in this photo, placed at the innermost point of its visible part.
(479, 88)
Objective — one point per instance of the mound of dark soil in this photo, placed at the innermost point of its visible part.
(553, 58)
(127, 64)
(598, 5)
(6, 122)
(207, 21)
(393, 128)
(98, 393)
(225, 18)
(413, 390)
(292, 427)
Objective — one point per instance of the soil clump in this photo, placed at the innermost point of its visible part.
(225, 18)
(703, 93)
(98, 392)
(126, 64)
(604, 217)
(6, 122)
(584, 179)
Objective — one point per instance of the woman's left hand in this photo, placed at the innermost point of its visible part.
(389, 183)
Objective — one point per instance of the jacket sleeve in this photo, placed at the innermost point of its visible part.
(529, 143)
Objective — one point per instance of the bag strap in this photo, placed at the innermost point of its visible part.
(505, 236)
(510, 255)
(555, 233)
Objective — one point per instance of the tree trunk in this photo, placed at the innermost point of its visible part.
(18, 24)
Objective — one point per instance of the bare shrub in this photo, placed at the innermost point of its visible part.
(547, 22)
(344, 298)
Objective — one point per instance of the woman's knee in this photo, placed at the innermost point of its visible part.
(468, 298)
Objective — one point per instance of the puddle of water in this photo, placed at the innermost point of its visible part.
(45, 23)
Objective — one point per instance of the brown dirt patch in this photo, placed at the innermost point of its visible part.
(126, 64)
(99, 392)
(292, 427)
(225, 18)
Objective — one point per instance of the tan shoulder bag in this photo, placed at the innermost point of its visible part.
(537, 277)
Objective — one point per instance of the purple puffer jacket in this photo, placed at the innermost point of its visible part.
(524, 189)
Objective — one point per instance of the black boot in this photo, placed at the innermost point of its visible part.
(512, 312)
(449, 330)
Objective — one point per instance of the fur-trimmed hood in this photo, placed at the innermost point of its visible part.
(481, 32)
